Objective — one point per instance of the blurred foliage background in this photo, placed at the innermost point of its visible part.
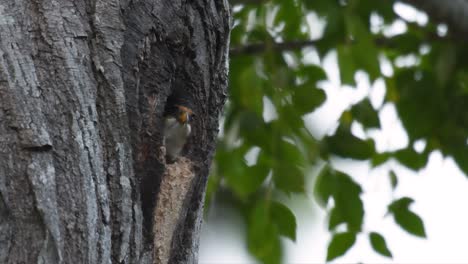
(266, 148)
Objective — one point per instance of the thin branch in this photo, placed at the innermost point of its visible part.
(248, 2)
(255, 48)
(453, 12)
(383, 42)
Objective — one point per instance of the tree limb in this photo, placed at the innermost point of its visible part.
(254, 48)
(248, 2)
(384, 42)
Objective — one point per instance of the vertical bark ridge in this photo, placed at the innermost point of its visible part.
(83, 86)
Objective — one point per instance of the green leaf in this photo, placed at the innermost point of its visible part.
(412, 159)
(253, 128)
(233, 168)
(334, 31)
(284, 220)
(410, 222)
(324, 186)
(363, 50)
(323, 7)
(405, 218)
(240, 178)
(239, 30)
(462, 80)
(379, 245)
(445, 63)
(287, 153)
(344, 144)
(259, 33)
(380, 158)
(286, 162)
(405, 43)
(348, 208)
(262, 235)
(347, 66)
(336, 218)
(359, 53)
(307, 98)
(420, 110)
(393, 180)
(288, 178)
(290, 119)
(365, 8)
(251, 180)
(402, 203)
(312, 73)
(365, 114)
(290, 13)
(246, 81)
(460, 156)
(339, 244)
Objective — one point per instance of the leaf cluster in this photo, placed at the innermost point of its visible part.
(266, 148)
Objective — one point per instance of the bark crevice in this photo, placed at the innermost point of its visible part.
(83, 87)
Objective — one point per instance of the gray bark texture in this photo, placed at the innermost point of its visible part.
(83, 88)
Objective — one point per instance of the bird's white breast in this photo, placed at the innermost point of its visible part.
(175, 136)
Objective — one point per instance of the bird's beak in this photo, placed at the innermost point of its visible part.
(184, 118)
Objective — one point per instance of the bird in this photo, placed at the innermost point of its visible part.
(176, 130)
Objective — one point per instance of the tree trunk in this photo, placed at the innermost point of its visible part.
(83, 87)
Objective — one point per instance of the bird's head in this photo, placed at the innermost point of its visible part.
(183, 114)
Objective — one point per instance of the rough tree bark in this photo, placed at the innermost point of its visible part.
(83, 86)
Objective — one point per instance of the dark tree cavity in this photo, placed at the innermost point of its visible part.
(83, 88)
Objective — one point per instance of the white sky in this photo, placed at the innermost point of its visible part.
(440, 192)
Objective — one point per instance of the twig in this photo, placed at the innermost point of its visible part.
(254, 48)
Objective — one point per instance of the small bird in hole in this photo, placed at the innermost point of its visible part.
(176, 130)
